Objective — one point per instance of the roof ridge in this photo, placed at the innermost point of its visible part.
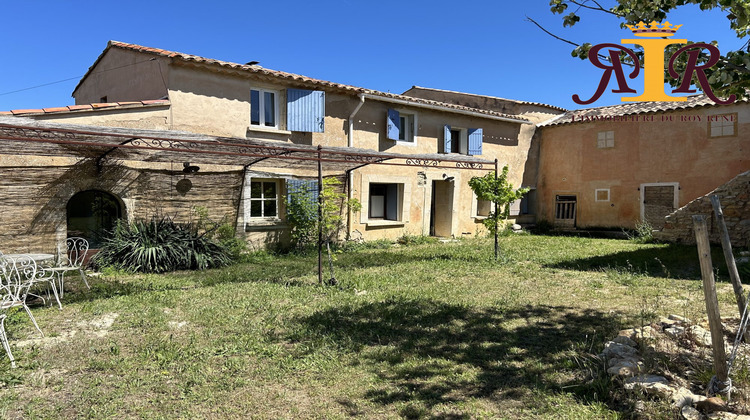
(490, 96)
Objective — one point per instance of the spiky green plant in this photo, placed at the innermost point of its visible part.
(160, 245)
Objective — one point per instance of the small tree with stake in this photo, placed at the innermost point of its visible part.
(496, 189)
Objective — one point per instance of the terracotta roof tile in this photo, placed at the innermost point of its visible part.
(605, 112)
(557, 108)
(55, 109)
(290, 77)
(79, 107)
(87, 107)
(26, 111)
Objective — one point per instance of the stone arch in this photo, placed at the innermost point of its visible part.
(91, 213)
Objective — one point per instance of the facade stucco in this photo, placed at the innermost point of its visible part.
(667, 148)
(137, 77)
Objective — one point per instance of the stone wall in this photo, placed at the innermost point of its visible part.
(34, 192)
(735, 202)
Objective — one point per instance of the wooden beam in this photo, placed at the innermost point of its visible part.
(726, 245)
(712, 303)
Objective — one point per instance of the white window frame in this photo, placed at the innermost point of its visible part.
(261, 108)
(249, 199)
(410, 140)
(596, 194)
(404, 199)
(399, 202)
(605, 139)
(475, 207)
(675, 200)
(463, 140)
(720, 125)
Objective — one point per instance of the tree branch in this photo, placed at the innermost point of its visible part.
(601, 56)
(598, 7)
(550, 33)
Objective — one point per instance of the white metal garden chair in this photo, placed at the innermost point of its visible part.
(77, 250)
(17, 275)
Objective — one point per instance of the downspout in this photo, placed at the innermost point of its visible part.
(349, 176)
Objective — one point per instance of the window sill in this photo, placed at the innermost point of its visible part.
(377, 223)
(265, 224)
(262, 129)
(405, 143)
(479, 217)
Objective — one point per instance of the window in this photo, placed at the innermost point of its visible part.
(601, 194)
(264, 109)
(407, 128)
(458, 140)
(384, 201)
(401, 126)
(484, 207)
(466, 141)
(723, 125)
(605, 139)
(264, 199)
(527, 202)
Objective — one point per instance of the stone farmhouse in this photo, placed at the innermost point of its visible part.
(253, 134)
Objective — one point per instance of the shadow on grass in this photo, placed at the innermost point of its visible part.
(287, 273)
(658, 261)
(427, 353)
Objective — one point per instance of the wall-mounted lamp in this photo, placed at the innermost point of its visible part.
(190, 169)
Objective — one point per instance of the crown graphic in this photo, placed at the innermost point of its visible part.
(654, 29)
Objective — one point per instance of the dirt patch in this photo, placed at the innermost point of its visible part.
(97, 327)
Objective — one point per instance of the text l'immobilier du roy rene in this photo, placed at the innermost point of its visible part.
(654, 118)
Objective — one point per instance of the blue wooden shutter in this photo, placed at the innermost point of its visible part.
(394, 124)
(447, 139)
(475, 141)
(305, 110)
(302, 185)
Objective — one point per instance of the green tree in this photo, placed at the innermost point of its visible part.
(500, 192)
(731, 75)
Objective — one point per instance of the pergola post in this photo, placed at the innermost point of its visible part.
(496, 210)
(320, 217)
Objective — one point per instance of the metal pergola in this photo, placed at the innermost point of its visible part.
(39, 138)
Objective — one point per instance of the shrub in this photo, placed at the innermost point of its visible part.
(416, 240)
(643, 232)
(160, 245)
(542, 227)
(302, 213)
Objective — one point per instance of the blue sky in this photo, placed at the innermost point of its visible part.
(483, 47)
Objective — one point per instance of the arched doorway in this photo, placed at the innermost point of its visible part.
(91, 214)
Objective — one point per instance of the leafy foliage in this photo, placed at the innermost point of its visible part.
(222, 231)
(498, 191)
(643, 233)
(160, 245)
(732, 73)
(302, 213)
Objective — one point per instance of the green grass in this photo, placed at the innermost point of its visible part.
(419, 331)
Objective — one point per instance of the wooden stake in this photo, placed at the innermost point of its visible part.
(712, 303)
(726, 245)
(497, 209)
(320, 218)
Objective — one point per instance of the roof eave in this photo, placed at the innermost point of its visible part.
(444, 109)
